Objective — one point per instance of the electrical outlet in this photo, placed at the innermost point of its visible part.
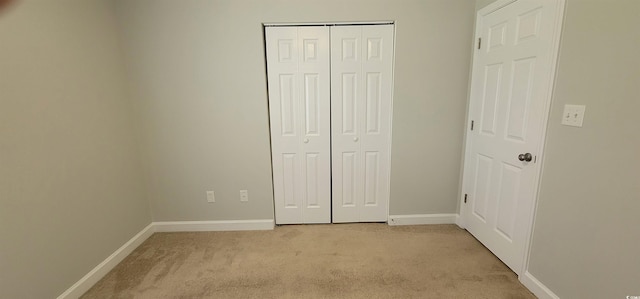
(244, 195)
(211, 196)
(573, 115)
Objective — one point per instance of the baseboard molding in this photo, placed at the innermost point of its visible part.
(86, 282)
(199, 226)
(459, 221)
(536, 287)
(422, 219)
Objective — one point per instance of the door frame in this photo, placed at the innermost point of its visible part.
(555, 52)
(393, 76)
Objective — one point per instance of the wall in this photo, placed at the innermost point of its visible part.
(200, 71)
(70, 185)
(586, 239)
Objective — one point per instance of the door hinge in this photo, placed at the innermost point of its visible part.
(479, 42)
(472, 125)
(465, 198)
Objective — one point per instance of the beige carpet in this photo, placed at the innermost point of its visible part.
(313, 261)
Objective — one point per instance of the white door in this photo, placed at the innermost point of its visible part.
(510, 95)
(299, 90)
(361, 82)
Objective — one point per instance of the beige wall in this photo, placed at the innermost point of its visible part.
(70, 190)
(586, 242)
(200, 69)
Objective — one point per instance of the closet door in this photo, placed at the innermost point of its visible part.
(299, 91)
(361, 82)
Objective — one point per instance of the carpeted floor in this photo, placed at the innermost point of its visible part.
(313, 261)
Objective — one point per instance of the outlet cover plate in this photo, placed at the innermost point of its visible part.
(244, 195)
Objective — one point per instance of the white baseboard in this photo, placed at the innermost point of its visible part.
(225, 225)
(86, 282)
(422, 219)
(536, 287)
(459, 221)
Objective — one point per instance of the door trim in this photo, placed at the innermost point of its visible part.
(298, 24)
(555, 52)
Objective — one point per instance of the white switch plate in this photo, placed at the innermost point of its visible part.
(573, 115)
(244, 195)
(211, 196)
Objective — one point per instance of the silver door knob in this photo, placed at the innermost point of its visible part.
(527, 157)
(306, 140)
(355, 139)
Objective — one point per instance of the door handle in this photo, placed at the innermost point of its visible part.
(306, 140)
(355, 139)
(527, 157)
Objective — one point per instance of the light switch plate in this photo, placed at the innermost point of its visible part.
(573, 115)
(211, 196)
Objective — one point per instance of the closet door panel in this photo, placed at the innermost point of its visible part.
(361, 78)
(298, 82)
(346, 102)
(313, 70)
(375, 136)
(282, 61)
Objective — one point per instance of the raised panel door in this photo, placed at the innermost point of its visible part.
(511, 79)
(298, 79)
(361, 78)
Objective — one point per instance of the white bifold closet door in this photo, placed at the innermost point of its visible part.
(361, 81)
(330, 114)
(299, 91)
